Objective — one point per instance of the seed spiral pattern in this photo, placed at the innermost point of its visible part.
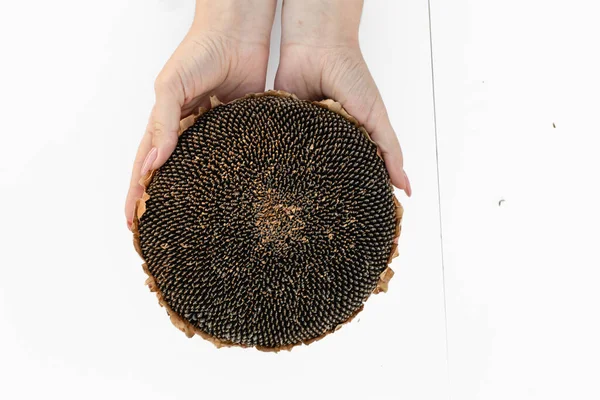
(270, 224)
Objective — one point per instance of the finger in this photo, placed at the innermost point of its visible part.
(383, 134)
(408, 187)
(156, 146)
(135, 189)
(376, 121)
(363, 100)
(164, 128)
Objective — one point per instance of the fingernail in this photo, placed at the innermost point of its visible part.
(150, 158)
(407, 189)
(129, 223)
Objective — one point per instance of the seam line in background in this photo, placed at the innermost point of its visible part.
(437, 162)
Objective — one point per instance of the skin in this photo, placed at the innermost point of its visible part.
(321, 58)
(225, 53)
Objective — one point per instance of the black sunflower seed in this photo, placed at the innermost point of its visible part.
(271, 222)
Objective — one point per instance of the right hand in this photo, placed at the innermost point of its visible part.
(225, 53)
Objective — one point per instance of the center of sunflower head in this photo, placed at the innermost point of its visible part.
(278, 222)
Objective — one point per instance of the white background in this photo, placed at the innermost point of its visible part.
(509, 312)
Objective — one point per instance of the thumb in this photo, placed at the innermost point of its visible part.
(351, 83)
(376, 121)
(163, 129)
(383, 134)
(156, 146)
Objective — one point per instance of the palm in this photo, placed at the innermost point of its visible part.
(216, 65)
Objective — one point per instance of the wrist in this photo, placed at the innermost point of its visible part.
(321, 23)
(248, 21)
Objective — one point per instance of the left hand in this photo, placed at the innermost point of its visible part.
(320, 58)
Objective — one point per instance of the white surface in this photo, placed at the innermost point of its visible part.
(522, 277)
(76, 321)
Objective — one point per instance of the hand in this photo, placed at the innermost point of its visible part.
(320, 58)
(225, 53)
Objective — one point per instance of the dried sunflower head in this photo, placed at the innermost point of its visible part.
(271, 223)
